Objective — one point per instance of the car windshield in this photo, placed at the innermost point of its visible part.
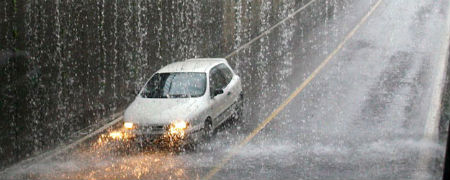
(175, 85)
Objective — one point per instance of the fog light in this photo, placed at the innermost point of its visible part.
(128, 125)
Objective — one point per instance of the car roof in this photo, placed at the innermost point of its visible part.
(193, 65)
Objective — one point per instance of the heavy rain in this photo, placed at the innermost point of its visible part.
(317, 89)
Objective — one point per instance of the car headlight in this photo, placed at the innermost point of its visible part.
(128, 125)
(178, 127)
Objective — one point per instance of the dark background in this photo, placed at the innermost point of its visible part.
(66, 65)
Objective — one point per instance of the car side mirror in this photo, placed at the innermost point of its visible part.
(218, 91)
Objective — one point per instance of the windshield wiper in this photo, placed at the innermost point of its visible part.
(178, 95)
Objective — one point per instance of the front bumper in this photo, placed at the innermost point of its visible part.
(161, 133)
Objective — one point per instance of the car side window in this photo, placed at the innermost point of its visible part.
(226, 72)
(216, 79)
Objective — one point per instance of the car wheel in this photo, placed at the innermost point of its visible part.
(238, 111)
(240, 108)
(208, 131)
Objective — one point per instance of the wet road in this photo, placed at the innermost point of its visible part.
(363, 116)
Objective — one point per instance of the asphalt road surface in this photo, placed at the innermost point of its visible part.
(363, 109)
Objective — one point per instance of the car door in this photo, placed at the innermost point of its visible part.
(230, 89)
(218, 102)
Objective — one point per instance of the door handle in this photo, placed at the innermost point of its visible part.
(229, 93)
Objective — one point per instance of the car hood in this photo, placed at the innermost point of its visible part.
(161, 111)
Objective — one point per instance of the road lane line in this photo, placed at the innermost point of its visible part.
(431, 129)
(299, 89)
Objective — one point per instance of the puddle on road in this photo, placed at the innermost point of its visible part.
(109, 160)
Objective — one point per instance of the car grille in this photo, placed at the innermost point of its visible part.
(151, 128)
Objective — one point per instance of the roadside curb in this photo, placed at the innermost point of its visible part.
(116, 118)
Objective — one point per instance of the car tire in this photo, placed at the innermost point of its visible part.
(240, 107)
(208, 130)
(238, 111)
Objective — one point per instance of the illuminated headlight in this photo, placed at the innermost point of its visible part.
(178, 127)
(128, 125)
(116, 135)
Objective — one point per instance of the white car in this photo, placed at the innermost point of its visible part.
(185, 99)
